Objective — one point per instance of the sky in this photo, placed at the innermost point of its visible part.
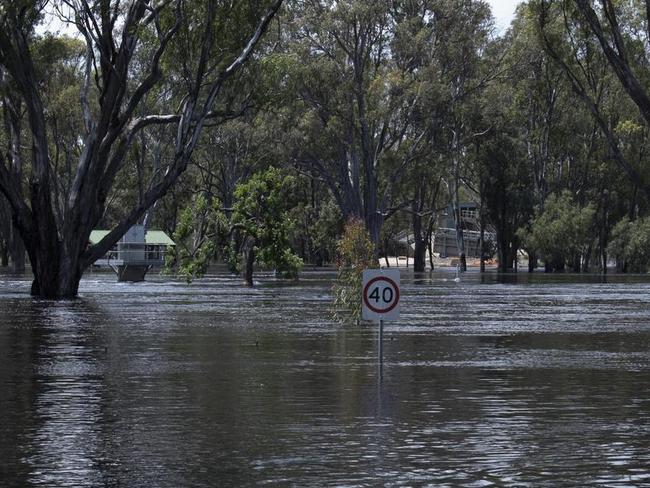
(503, 11)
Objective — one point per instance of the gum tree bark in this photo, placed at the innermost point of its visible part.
(12, 122)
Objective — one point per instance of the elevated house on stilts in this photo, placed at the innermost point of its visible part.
(136, 253)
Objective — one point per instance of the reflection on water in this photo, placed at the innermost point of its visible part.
(491, 381)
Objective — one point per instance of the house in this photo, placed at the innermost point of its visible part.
(444, 240)
(137, 252)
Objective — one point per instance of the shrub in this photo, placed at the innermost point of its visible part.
(356, 252)
(560, 232)
(630, 245)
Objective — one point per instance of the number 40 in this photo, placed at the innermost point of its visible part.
(386, 295)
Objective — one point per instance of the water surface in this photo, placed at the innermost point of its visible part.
(540, 381)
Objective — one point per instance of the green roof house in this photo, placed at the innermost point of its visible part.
(136, 253)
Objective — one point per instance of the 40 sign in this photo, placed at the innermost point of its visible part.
(380, 298)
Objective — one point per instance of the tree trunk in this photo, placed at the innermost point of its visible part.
(429, 238)
(506, 254)
(462, 262)
(481, 241)
(249, 260)
(17, 252)
(604, 231)
(55, 274)
(374, 223)
(5, 231)
(586, 260)
(532, 260)
(503, 259)
(420, 252)
(420, 256)
(460, 238)
(576, 263)
(407, 250)
(13, 128)
(455, 186)
(430, 249)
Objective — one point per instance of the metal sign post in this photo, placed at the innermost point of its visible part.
(381, 347)
(380, 301)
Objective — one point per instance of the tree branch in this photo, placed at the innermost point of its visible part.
(617, 60)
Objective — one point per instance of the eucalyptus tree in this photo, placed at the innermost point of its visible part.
(566, 38)
(350, 123)
(464, 31)
(504, 176)
(12, 114)
(227, 157)
(620, 132)
(541, 96)
(620, 30)
(536, 99)
(215, 39)
(561, 232)
(623, 33)
(420, 190)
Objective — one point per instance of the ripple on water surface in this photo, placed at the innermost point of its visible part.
(532, 382)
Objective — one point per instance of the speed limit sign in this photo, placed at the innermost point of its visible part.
(380, 298)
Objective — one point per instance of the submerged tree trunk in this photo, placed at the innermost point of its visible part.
(481, 241)
(17, 252)
(420, 256)
(455, 186)
(430, 234)
(506, 257)
(5, 223)
(603, 232)
(460, 238)
(248, 256)
(430, 250)
(419, 240)
(503, 260)
(408, 246)
(57, 271)
(532, 260)
(13, 129)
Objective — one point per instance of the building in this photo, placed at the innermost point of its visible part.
(444, 240)
(137, 252)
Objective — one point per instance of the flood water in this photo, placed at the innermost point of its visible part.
(541, 381)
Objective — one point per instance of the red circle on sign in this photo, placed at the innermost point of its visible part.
(390, 282)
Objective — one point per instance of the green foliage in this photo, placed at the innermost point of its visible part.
(560, 232)
(318, 224)
(630, 245)
(201, 226)
(356, 253)
(262, 210)
(325, 228)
